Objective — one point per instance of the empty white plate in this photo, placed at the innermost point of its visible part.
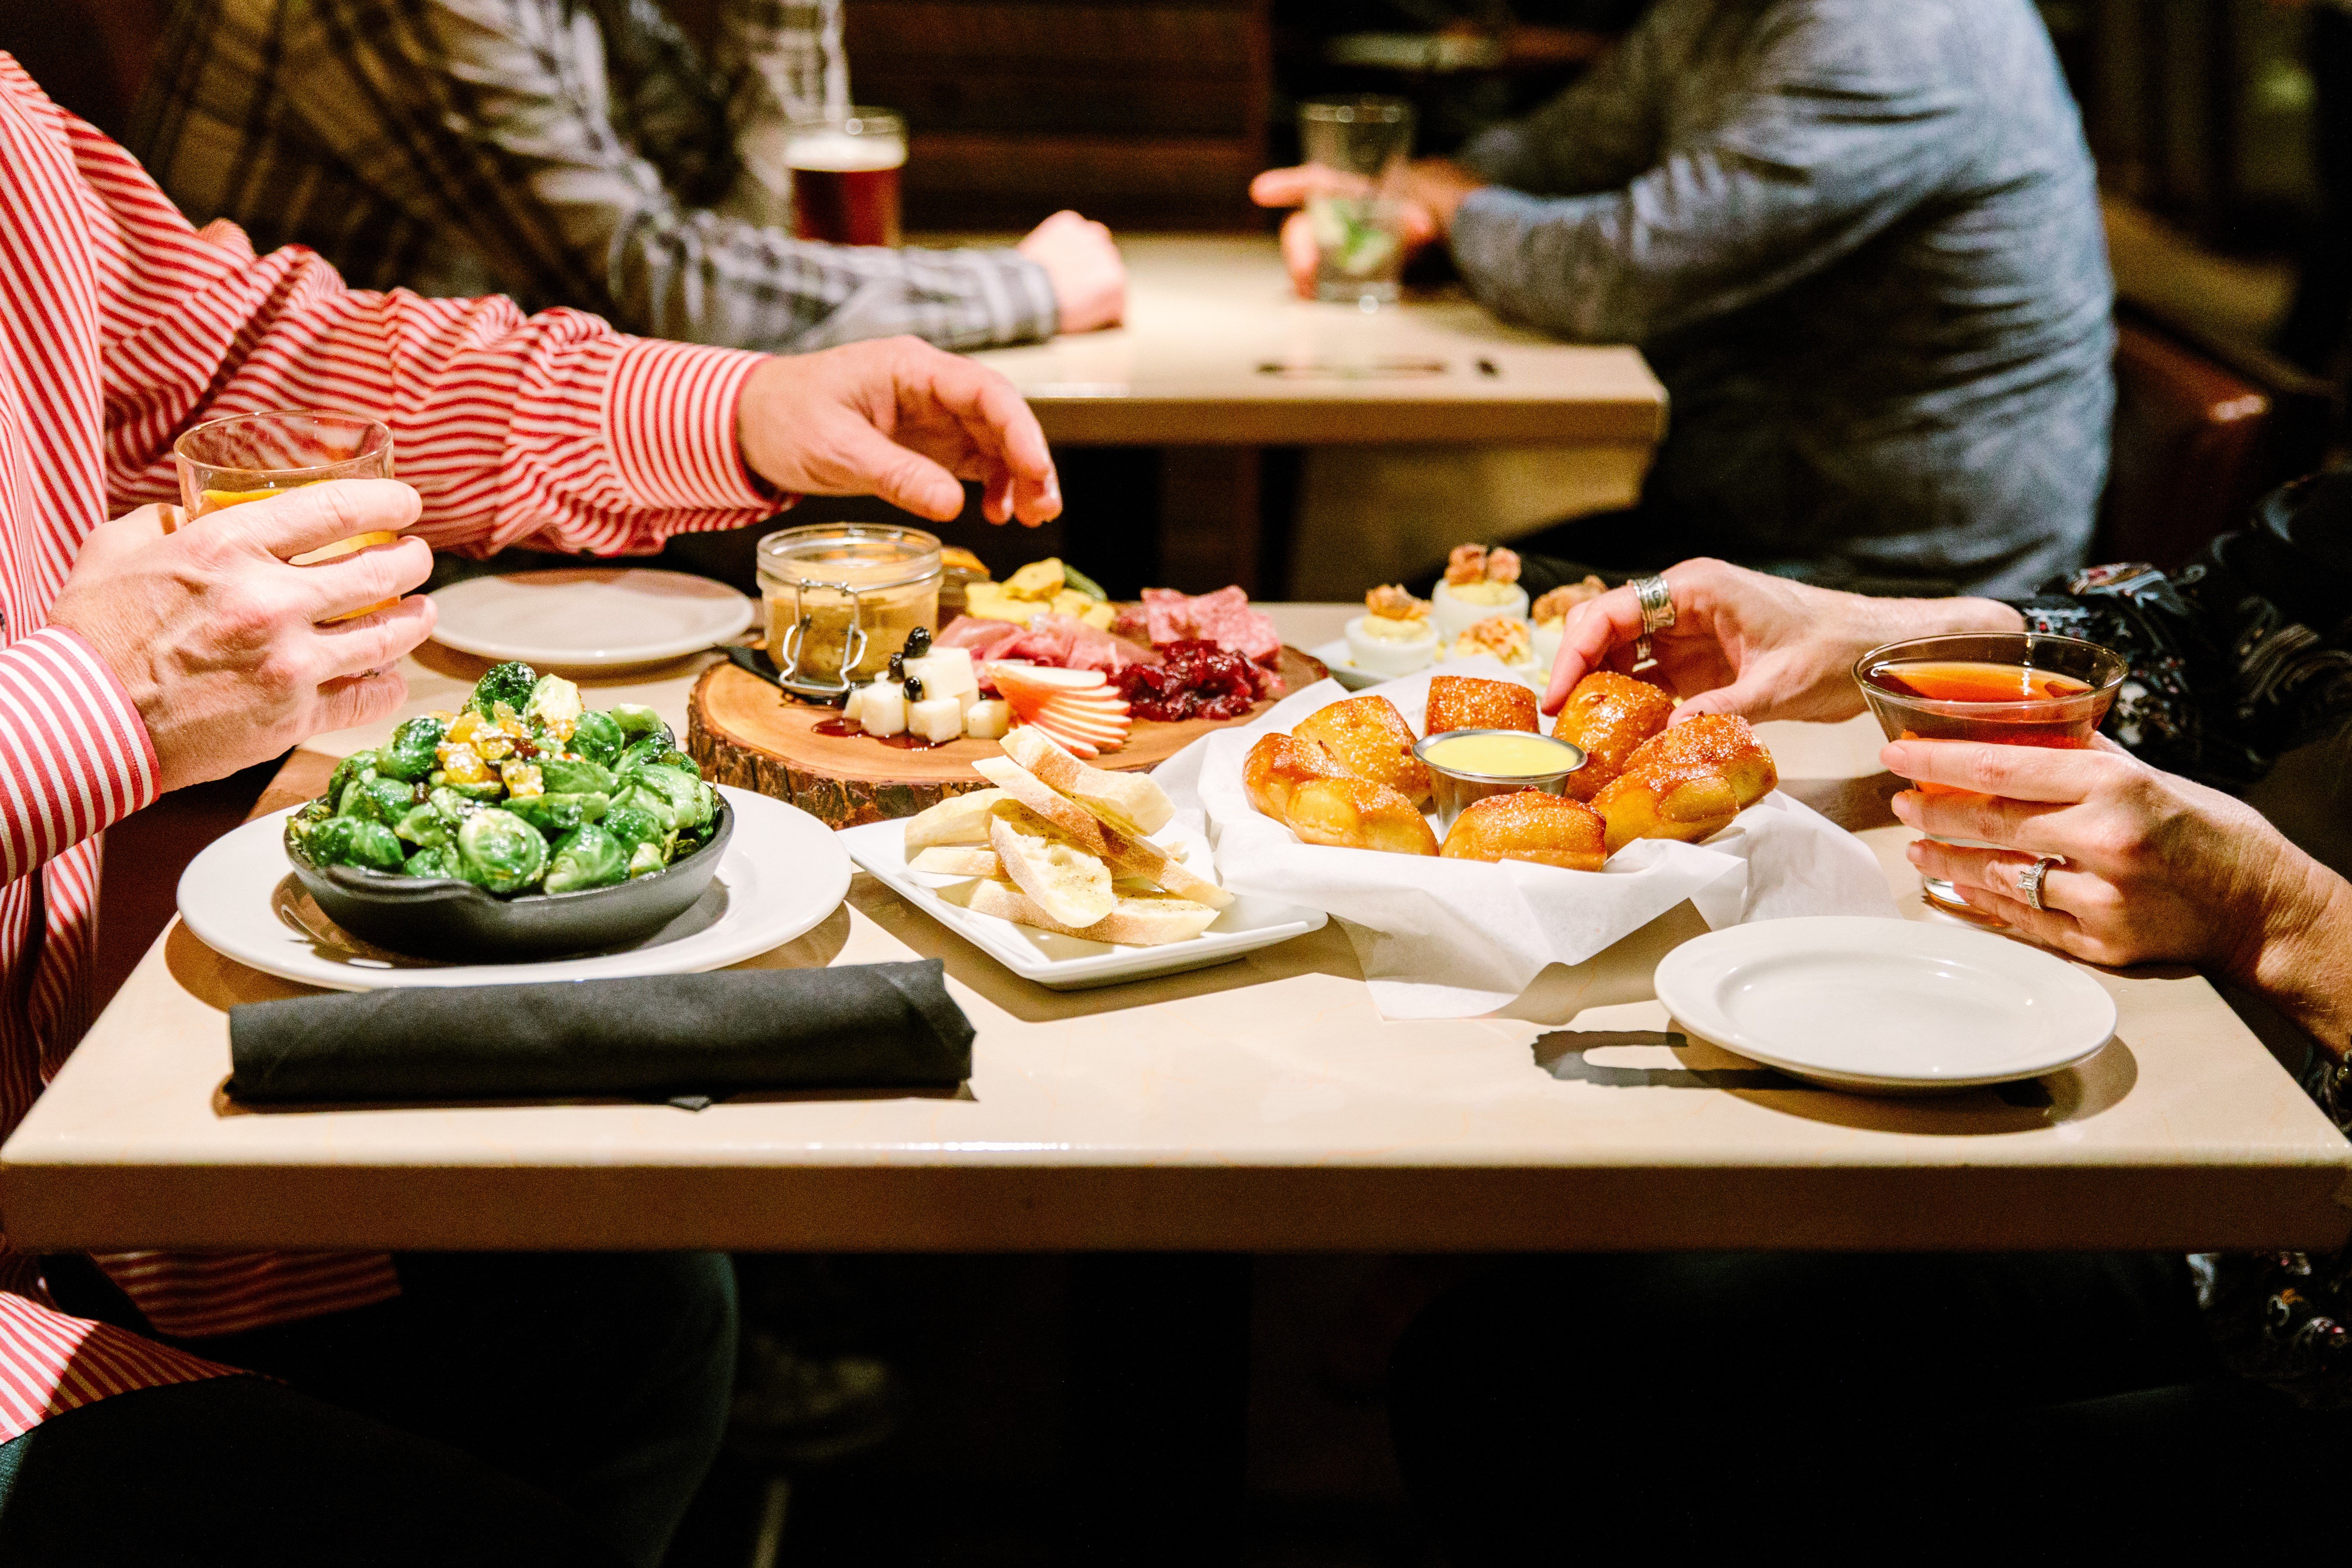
(1069, 962)
(1886, 1004)
(781, 873)
(589, 617)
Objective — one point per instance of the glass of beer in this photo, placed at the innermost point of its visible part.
(1358, 241)
(844, 168)
(252, 456)
(2009, 688)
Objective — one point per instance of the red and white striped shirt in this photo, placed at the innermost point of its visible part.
(120, 326)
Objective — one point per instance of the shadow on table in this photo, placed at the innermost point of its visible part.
(1323, 951)
(2080, 1092)
(1854, 804)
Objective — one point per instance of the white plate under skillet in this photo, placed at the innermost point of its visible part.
(1886, 1005)
(589, 617)
(1069, 962)
(1355, 677)
(783, 873)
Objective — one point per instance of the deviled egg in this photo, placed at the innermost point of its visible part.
(1479, 583)
(1393, 636)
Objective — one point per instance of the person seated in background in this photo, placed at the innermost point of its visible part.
(2101, 1401)
(1861, 245)
(453, 1410)
(577, 154)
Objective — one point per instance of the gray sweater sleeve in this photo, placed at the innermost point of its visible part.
(1838, 117)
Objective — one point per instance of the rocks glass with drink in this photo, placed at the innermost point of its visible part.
(1359, 240)
(252, 456)
(845, 167)
(2009, 688)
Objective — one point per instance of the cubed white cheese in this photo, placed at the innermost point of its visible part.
(936, 718)
(988, 721)
(883, 711)
(944, 672)
(849, 709)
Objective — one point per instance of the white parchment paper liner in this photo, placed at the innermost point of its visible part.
(1449, 939)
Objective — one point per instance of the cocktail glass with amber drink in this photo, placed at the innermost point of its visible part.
(2009, 688)
(252, 456)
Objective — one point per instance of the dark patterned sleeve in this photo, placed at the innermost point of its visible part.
(2238, 657)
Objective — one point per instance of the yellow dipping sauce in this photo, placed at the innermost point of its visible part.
(1501, 756)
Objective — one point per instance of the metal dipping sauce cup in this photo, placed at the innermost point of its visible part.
(1453, 789)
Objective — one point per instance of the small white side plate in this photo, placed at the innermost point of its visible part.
(1886, 1005)
(782, 874)
(1068, 963)
(1355, 677)
(589, 617)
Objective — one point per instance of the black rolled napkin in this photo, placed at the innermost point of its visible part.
(687, 1036)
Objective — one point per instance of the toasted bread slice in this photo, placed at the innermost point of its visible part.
(1018, 784)
(1140, 920)
(959, 819)
(1130, 802)
(1129, 855)
(957, 860)
(1070, 884)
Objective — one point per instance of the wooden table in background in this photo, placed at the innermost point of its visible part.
(1260, 1106)
(1219, 359)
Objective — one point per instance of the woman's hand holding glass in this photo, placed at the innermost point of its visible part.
(2154, 868)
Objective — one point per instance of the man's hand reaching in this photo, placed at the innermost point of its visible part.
(901, 420)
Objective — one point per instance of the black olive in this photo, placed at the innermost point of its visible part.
(898, 667)
(919, 642)
(914, 687)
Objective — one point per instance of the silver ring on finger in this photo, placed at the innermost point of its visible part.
(1657, 601)
(2029, 882)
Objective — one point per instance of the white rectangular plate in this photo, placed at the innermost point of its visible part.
(1069, 962)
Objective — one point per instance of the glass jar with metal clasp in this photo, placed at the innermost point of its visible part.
(841, 598)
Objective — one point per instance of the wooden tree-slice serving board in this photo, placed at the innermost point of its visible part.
(747, 734)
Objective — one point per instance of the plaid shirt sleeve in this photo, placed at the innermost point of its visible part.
(555, 141)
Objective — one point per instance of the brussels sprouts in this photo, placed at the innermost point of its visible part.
(500, 852)
(632, 824)
(440, 861)
(509, 683)
(426, 826)
(557, 815)
(587, 857)
(641, 796)
(377, 798)
(645, 859)
(637, 721)
(690, 799)
(412, 753)
(355, 841)
(552, 700)
(570, 776)
(356, 765)
(488, 789)
(654, 751)
(599, 739)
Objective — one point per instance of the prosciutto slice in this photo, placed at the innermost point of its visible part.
(1061, 640)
